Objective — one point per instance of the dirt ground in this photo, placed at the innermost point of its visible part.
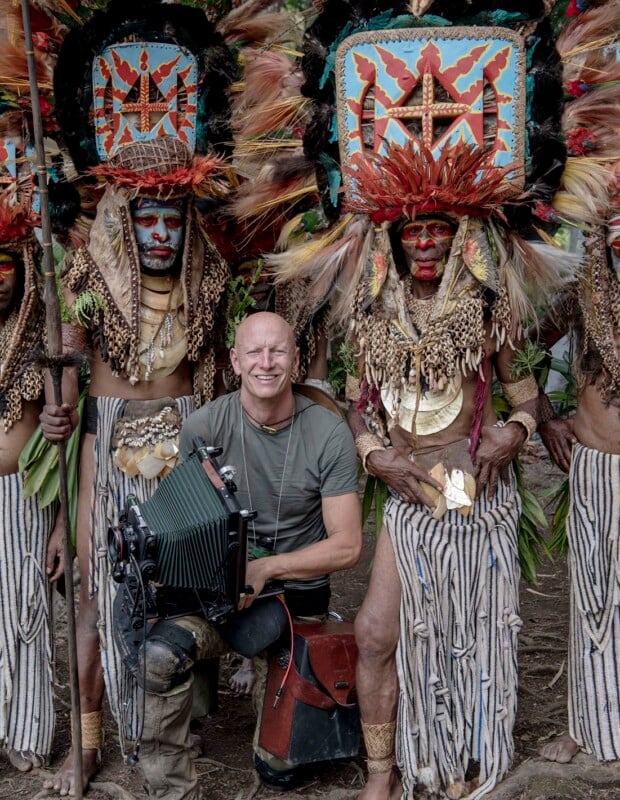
(225, 766)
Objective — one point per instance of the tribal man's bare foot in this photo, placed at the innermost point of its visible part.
(562, 749)
(24, 762)
(381, 786)
(63, 782)
(243, 679)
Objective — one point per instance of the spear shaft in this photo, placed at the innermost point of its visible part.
(54, 352)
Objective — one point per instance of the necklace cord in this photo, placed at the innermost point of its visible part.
(247, 482)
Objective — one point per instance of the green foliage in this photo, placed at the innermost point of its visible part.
(85, 307)
(66, 314)
(565, 402)
(342, 365)
(560, 495)
(531, 360)
(38, 464)
(240, 300)
(532, 522)
(375, 496)
(565, 399)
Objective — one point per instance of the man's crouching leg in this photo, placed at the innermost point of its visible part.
(165, 752)
(164, 665)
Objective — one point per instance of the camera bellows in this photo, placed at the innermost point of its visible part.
(191, 524)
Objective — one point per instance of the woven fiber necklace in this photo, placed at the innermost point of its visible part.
(245, 470)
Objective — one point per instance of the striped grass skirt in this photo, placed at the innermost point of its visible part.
(110, 491)
(26, 679)
(457, 653)
(593, 527)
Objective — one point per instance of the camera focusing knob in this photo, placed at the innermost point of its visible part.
(228, 473)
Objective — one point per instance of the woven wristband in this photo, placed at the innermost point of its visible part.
(526, 420)
(367, 443)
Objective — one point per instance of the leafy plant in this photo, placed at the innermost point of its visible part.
(86, 306)
(375, 496)
(530, 360)
(564, 399)
(560, 495)
(240, 300)
(38, 464)
(342, 365)
(532, 522)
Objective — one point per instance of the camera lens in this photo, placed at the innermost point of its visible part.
(116, 544)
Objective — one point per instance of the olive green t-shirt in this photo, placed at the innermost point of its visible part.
(281, 476)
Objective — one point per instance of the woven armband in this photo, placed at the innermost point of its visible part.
(524, 419)
(352, 391)
(367, 443)
(74, 337)
(520, 392)
(546, 411)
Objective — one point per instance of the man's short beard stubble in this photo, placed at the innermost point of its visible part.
(156, 266)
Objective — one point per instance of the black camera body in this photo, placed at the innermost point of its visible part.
(132, 540)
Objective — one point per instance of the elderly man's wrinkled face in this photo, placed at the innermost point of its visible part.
(8, 283)
(158, 226)
(426, 243)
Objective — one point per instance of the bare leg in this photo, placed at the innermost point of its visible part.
(243, 679)
(90, 671)
(376, 633)
(562, 749)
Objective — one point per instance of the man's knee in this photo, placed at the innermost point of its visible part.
(166, 657)
(375, 638)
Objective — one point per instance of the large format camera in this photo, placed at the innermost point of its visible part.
(184, 549)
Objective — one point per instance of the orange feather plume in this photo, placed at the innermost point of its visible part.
(407, 181)
(204, 177)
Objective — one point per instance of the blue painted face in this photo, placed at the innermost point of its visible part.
(159, 233)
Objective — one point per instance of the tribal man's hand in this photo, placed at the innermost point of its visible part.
(55, 556)
(402, 475)
(495, 454)
(558, 438)
(58, 422)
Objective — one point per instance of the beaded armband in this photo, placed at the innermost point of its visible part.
(521, 391)
(367, 443)
(74, 337)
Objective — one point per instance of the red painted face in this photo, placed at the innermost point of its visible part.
(426, 243)
(8, 281)
(613, 237)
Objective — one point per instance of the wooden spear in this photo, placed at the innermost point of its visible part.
(55, 364)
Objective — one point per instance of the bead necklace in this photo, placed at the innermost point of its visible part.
(151, 316)
(420, 308)
(269, 428)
